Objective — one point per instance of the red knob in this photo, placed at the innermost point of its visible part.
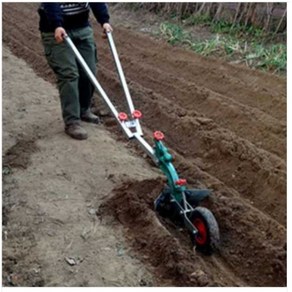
(181, 182)
(158, 135)
(123, 117)
(137, 114)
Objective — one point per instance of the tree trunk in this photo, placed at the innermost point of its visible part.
(281, 21)
(208, 8)
(254, 14)
(236, 14)
(245, 7)
(247, 14)
(270, 8)
(218, 12)
(250, 14)
(181, 9)
(201, 8)
(196, 7)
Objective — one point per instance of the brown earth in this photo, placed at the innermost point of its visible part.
(53, 234)
(225, 125)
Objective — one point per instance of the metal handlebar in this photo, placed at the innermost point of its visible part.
(138, 134)
(122, 78)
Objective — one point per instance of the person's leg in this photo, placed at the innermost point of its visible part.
(85, 44)
(62, 60)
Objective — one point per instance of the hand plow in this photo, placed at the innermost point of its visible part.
(176, 202)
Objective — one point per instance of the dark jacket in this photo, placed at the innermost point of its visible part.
(70, 15)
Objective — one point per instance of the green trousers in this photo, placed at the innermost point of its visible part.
(74, 86)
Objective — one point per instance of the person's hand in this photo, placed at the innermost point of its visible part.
(106, 28)
(59, 34)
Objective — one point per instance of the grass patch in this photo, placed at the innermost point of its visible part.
(234, 44)
(225, 27)
(174, 33)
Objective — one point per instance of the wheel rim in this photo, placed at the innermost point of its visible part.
(201, 236)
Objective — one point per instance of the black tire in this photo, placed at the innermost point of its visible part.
(208, 237)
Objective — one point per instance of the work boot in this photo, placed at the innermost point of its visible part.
(90, 117)
(76, 131)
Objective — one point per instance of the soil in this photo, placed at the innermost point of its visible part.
(225, 125)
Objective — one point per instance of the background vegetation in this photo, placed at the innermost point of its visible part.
(250, 33)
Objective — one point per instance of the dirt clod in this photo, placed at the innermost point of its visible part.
(19, 154)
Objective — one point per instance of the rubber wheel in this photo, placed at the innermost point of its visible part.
(208, 238)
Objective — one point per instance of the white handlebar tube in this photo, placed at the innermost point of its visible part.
(122, 78)
(97, 85)
(147, 148)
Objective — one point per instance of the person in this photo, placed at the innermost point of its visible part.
(75, 88)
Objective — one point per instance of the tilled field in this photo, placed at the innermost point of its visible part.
(225, 125)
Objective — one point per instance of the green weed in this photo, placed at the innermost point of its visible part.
(225, 27)
(173, 33)
(254, 54)
(198, 19)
